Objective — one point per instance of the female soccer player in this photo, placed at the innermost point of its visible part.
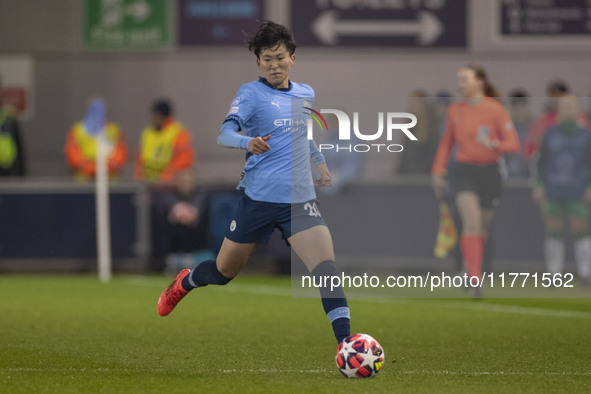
(564, 187)
(483, 130)
(276, 184)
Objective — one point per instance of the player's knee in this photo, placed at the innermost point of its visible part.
(554, 225)
(471, 227)
(228, 273)
(579, 228)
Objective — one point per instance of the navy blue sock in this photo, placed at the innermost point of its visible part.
(206, 273)
(333, 300)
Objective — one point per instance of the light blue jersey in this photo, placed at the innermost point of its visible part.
(283, 174)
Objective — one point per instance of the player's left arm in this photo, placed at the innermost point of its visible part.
(587, 195)
(325, 178)
(507, 139)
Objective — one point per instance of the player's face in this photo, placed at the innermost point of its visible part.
(468, 84)
(274, 65)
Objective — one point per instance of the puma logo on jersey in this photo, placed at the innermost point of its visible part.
(275, 104)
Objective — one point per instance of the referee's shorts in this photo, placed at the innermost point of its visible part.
(484, 180)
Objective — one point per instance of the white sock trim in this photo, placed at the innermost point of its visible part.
(339, 313)
(190, 277)
(554, 252)
(583, 257)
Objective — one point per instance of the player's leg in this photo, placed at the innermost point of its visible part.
(228, 263)
(252, 224)
(315, 248)
(553, 213)
(230, 260)
(468, 204)
(490, 187)
(487, 216)
(578, 213)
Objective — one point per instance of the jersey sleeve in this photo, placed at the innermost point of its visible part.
(229, 136)
(508, 139)
(316, 154)
(588, 158)
(243, 107)
(542, 160)
(443, 150)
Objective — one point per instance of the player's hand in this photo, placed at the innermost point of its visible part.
(259, 145)
(439, 185)
(325, 178)
(485, 141)
(539, 194)
(587, 196)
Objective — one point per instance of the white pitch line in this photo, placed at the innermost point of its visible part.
(273, 370)
(477, 306)
(494, 373)
(308, 371)
(521, 310)
(482, 307)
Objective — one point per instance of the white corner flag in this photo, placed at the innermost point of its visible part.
(95, 122)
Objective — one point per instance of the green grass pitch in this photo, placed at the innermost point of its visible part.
(72, 334)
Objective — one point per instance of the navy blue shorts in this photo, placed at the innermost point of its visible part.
(255, 221)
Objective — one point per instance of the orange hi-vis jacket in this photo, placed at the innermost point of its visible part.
(81, 149)
(164, 152)
(463, 124)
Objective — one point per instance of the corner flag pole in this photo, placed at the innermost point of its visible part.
(97, 122)
(103, 222)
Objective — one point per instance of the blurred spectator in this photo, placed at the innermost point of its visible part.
(81, 148)
(344, 165)
(417, 156)
(564, 187)
(441, 101)
(537, 129)
(520, 111)
(186, 233)
(165, 146)
(12, 156)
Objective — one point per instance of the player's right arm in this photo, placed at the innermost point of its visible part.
(587, 195)
(439, 167)
(242, 109)
(539, 191)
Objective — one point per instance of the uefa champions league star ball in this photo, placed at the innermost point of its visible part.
(359, 356)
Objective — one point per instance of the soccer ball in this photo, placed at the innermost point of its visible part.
(359, 356)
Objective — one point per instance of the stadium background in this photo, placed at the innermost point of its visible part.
(72, 333)
(202, 80)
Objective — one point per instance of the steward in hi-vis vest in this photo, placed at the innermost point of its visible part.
(12, 160)
(81, 148)
(165, 147)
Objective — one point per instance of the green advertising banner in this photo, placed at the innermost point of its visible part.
(126, 24)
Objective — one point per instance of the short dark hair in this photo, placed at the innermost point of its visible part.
(518, 96)
(162, 107)
(558, 85)
(271, 35)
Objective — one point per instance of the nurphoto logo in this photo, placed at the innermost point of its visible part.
(393, 125)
